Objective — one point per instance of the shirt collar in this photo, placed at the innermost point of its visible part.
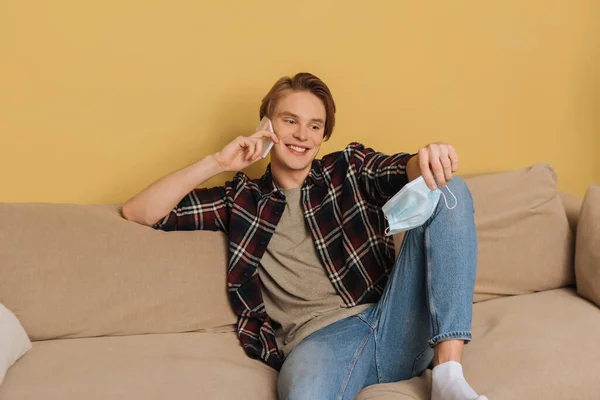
(315, 175)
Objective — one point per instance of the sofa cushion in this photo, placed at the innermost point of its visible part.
(82, 270)
(132, 279)
(572, 205)
(551, 337)
(525, 242)
(159, 366)
(538, 346)
(587, 256)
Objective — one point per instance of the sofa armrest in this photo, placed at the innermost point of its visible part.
(587, 253)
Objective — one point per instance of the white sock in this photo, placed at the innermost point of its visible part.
(448, 383)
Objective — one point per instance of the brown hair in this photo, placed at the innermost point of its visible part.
(302, 81)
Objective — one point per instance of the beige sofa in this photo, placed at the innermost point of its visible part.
(117, 310)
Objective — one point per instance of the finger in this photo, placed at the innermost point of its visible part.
(425, 171)
(251, 150)
(273, 137)
(258, 146)
(453, 157)
(241, 141)
(436, 166)
(243, 146)
(248, 148)
(268, 134)
(446, 163)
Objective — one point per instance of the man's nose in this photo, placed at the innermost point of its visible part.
(301, 133)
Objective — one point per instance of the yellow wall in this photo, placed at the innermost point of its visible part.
(98, 99)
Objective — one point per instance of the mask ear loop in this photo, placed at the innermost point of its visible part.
(388, 228)
(446, 201)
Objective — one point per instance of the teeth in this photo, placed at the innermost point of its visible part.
(298, 149)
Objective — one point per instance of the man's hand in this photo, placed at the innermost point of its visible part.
(439, 159)
(244, 151)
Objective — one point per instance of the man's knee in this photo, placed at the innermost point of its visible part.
(456, 184)
(459, 187)
(457, 196)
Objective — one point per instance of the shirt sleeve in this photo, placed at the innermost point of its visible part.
(381, 176)
(201, 209)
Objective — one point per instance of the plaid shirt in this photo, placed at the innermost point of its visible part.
(341, 198)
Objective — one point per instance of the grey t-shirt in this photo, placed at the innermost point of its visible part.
(297, 293)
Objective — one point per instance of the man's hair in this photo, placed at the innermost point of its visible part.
(302, 81)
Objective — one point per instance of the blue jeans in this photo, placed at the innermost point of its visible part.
(428, 298)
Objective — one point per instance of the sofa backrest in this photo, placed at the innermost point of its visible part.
(525, 230)
(82, 270)
(526, 243)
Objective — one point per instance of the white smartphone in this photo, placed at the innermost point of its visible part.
(267, 142)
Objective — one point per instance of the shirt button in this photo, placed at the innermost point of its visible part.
(277, 212)
(263, 242)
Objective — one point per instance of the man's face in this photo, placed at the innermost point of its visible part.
(299, 122)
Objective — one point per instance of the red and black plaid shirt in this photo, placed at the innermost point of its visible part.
(341, 199)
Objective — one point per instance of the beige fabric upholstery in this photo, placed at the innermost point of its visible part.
(81, 270)
(525, 242)
(54, 275)
(572, 206)
(538, 346)
(587, 257)
(418, 388)
(161, 366)
(99, 275)
(542, 345)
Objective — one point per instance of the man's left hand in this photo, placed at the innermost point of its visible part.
(435, 159)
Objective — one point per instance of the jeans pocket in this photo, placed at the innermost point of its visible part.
(422, 361)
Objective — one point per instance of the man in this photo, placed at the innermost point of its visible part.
(311, 273)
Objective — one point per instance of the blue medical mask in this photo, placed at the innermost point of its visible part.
(412, 206)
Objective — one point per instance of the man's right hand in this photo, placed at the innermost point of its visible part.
(158, 199)
(244, 151)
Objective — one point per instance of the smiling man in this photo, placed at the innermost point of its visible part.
(312, 275)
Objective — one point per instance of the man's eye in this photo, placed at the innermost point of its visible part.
(291, 121)
(316, 127)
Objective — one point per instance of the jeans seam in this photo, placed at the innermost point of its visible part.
(432, 310)
(464, 335)
(377, 365)
(364, 319)
(353, 364)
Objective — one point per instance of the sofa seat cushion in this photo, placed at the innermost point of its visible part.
(156, 366)
(537, 346)
(542, 345)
